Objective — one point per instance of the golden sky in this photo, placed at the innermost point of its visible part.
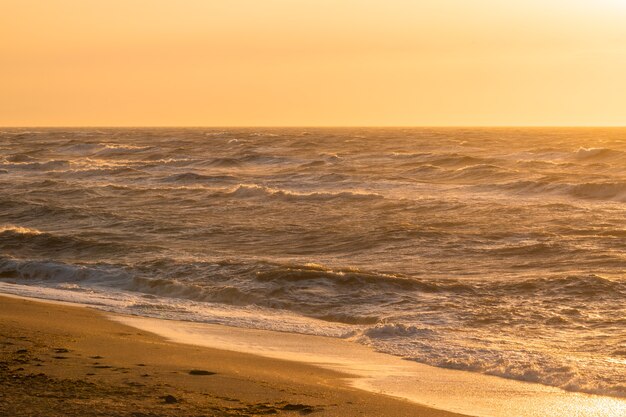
(312, 62)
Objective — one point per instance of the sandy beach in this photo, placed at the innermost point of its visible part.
(58, 360)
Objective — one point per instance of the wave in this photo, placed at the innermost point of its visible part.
(53, 165)
(217, 134)
(410, 155)
(20, 158)
(229, 290)
(193, 177)
(172, 288)
(353, 279)
(120, 150)
(609, 191)
(22, 133)
(98, 172)
(142, 278)
(534, 164)
(259, 191)
(441, 159)
(241, 283)
(257, 158)
(19, 210)
(556, 304)
(25, 241)
(221, 163)
(597, 153)
(465, 174)
(578, 286)
(425, 169)
(259, 276)
(522, 365)
(19, 230)
(347, 296)
(479, 172)
(245, 159)
(58, 272)
(81, 148)
(101, 149)
(333, 177)
(314, 164)
(388, 330)
(525, 249)
(600, 191)
(264, 134)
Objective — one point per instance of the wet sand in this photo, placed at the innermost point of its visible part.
(58, 360)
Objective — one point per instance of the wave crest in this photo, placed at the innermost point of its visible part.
(19, 230)
(597, 153)
(256, 191)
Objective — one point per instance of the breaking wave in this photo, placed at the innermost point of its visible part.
(598, 153)
(256, 191)
(19, 230)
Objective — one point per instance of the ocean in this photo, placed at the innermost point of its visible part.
(499, 251)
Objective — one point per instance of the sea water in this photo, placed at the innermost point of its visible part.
(495, 251)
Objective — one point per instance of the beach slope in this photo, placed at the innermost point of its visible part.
(58, 360)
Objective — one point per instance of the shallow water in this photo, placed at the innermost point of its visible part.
(467, 393)
(499, 251)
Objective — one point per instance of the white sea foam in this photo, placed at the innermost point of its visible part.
(19, 230)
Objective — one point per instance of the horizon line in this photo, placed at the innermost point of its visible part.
(311, 126)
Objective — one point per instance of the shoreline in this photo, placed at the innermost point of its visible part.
(383, 384)
(70, 360)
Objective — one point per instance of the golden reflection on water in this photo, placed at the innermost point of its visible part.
(587, 406)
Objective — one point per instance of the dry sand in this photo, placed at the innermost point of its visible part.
(58, 360)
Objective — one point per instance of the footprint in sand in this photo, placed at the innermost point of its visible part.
(200, 372)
